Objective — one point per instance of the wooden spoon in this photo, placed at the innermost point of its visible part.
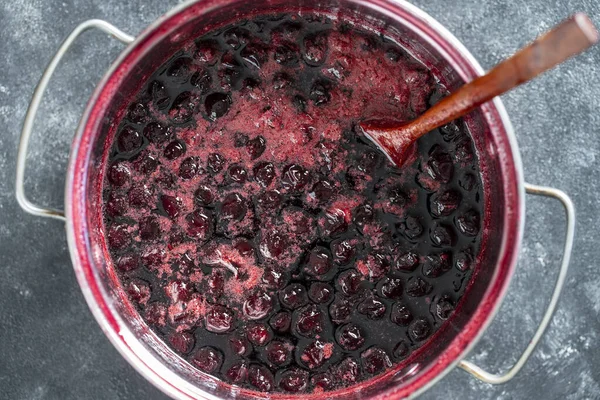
(569, 38)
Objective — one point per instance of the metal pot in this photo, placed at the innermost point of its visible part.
(495, 143)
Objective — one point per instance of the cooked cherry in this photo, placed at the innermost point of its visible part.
(238, 372)
(278, 352)
(183, 342)
(294, 380)
(174, 150)
(258, 305)
(216, 105)
(139, 291)
(401, 314)
(310, 321)
(419, 329)
(281, 322)
(348, 370)
(219, 319)
(118, 174)
(260, 377)
(256, 147)
(319, 261)
(129, 140)
(189, 168)
(215, 162)
(375, 360)
(172, 205)
(350, 337)
(237, 174)
(149, 228)
(233, 207)
(372, 308)
(293, 296)
(295, 177)
(203, 196)
(320, 292)
(208, 359)
(258, 334)
(264, 173)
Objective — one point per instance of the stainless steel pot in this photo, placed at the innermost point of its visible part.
(490, 128)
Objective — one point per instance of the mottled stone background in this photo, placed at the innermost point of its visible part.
(52, 348)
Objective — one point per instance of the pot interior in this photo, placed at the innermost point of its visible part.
(397, 21)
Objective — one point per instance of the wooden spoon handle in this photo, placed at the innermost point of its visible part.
(571, 37)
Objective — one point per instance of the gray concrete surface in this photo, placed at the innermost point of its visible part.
(52, 348)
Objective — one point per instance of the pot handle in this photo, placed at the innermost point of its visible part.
(485, 376)
(25, 204)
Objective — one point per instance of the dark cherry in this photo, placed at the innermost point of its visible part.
(189, 168)
(333, 224)
(256, 147)
(314, 355)
(372, 308)
(140, 196)
(116, 204)
(391, 288)
(440, 166)
(155, 314)
(320, 292)
(294, 380)
(174, 150)
(295, 177)
(278, 352)
(401, 350)
(444, 308)
(281, 322)
(348, 370)
(363, 215)
(237, 372)
(233, 207)
(444, 204)
(128, 263)
(350, 281)
(293, 296)
(149, 228)
(319, 261)
(139, 291)
(119, 174)
(258, 334)
(184, 107)
(216, 105)
(323, 381)
(237, 174)
(172, 205)
(146, 164)
(437, 264)
(264, 173)
(204, 196)
(407, 262)
(350, 337)
(323, 191)
(309, 321)
(157, 133)
(258, 305)
(260, 377)
(200, 224)
(118, 236)
(183, 342)
(208, 359)
(275, 278)
(215, 162)
(219, 319)
(240, 345)
(178, 290)
(273, 244)
(129, 140)
(343, 251)
(419, 329)
(137, 113)
(401, 314)
(417, 287)
(468, 224)
(375, 360)
(340, 310)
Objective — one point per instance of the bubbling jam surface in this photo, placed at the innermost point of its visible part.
(261, 235)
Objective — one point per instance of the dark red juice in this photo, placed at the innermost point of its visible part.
(261, 235)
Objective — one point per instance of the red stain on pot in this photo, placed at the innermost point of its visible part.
(443, 356)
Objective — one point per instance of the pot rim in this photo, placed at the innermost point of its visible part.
(125, 341)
